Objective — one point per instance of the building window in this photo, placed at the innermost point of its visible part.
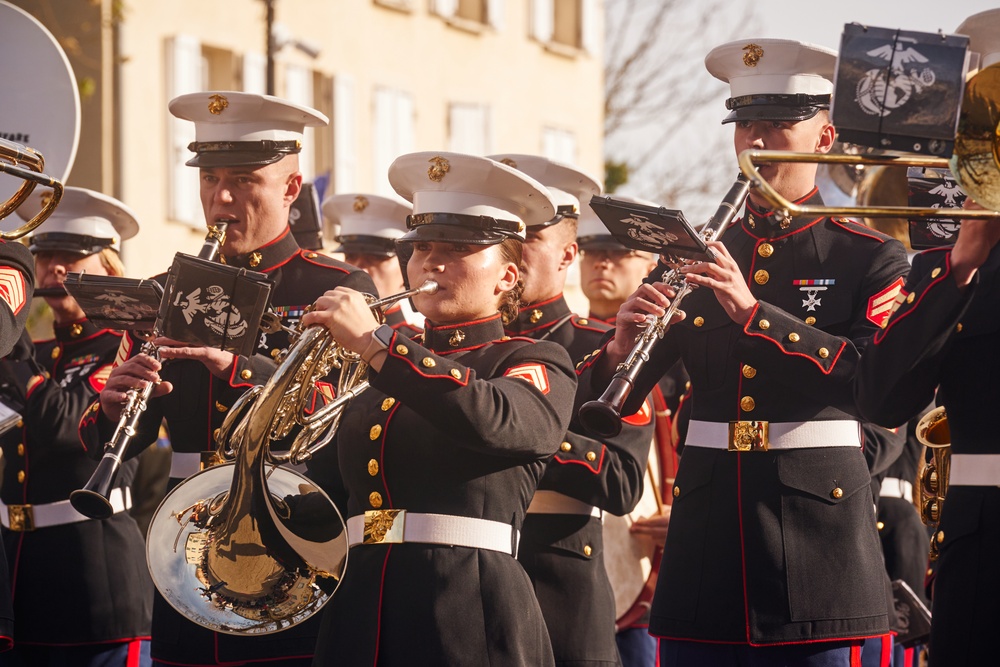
(469, 129)
(345, 138)
(392, 133)
(566, 26)
(471, 15)
(559, 145)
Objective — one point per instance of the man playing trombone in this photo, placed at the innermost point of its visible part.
(772, 555)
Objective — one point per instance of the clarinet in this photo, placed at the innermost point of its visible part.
(93, 500)
(603, 415)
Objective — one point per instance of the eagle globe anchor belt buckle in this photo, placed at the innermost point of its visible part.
(401, 526)
(748, 436)
(384, 526)
(26, 518)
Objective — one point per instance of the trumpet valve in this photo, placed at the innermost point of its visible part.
(929, 480)
(930, 512)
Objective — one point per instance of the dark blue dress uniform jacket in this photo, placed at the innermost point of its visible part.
(17, 284)
(564, 553)
(100, 564)
(460, 424)
(761, 548)
(946, 339)
(196, 408)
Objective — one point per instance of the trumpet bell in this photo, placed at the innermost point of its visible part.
(277, 566)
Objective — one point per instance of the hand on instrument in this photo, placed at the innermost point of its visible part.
(649, 300)
(725, 278)
(655, 527)
(347, 316)
(976, 239)
(133, 374)
(218, 362)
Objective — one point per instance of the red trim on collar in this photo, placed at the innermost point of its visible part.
(750, 232)
(446, 327)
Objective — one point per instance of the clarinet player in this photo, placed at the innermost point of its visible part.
(772, 555)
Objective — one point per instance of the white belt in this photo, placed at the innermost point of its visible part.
(24, 518)
(185, 464)
(397, 526)
(553, 502)
(893, 487)
(974, 470)
(763, 436)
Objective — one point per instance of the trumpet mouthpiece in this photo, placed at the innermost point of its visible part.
(429, 287)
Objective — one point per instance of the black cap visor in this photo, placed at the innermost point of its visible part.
(775, 107)
(240, 153)
(600, 242)
(62, 242)
(377, 246)
(458, 228)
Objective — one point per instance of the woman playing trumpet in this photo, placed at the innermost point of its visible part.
(436, 464)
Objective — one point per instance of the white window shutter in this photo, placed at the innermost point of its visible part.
(445, 8)
(468, 129)
(542, 20)
(382, 139)
(405, 122)
(345, 145)
(185, 76)
(255, 73)
(559, 145)
(590, 28)
(299, 89)
(495, 13)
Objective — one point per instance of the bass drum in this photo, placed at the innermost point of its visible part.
(632, 562)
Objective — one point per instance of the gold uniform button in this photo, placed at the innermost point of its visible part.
(837, 493)
(246, 374)
(374, 432)
(275, 352)
(20, 476)
(565, 446)
(929, 572)
(591, 456)
(939, 537)
(936, 272)
(55, 353)
(880, 525)
(765, 250)
(20, 449)
(747, 404)
(764, 324)
(372, 467)
(699, 321)
(220, 407)
(810, 320)
(76, 330)
(388, 403)
(584, 322)
(402, 349)
(311, 255)
(587, 550)
(793, 337)
(677, 491)
(375, 499)
(910, 297)
(455, 373)
(749, 371)
(823, 353)
(20, 422)
(428, 362)
(761, 277)
(958, 328)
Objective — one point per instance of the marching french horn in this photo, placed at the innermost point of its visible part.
(251, 547)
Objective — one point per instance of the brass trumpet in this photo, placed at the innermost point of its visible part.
(252, 547)
(933, 433)
(26, 164)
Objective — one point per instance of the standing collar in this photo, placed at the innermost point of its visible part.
(463, 336)
(763, 224)
(269, 256)
(539, 315)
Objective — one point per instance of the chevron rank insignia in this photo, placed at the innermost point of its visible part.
(642, 417)
(533, 373)
(12, 288)
(100, 378)
(880, 305)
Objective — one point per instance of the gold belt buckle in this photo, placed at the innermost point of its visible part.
(384, 526)
(748, 436)
(21, 518)
(209, 459)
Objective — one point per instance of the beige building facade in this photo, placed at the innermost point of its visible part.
(394, 76)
